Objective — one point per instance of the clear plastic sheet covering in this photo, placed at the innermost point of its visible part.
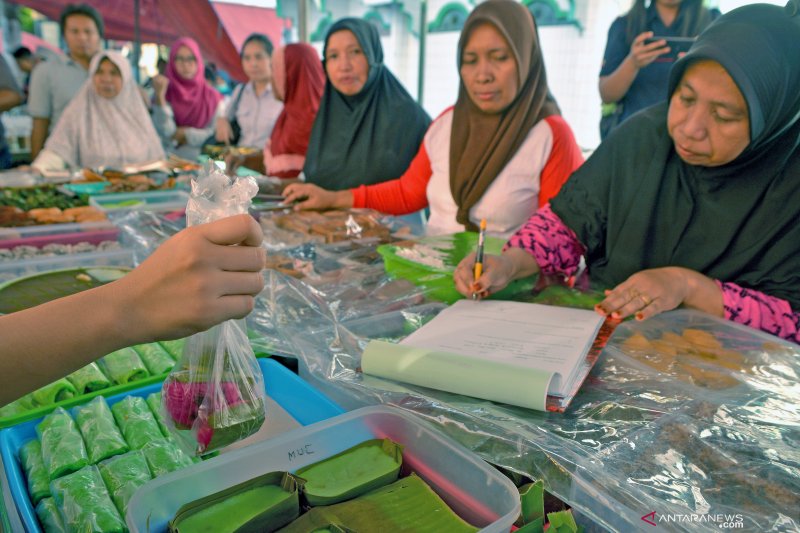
(713, 448)
(143, 231)
(284, 229)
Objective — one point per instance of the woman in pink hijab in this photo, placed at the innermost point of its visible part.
(185, 105)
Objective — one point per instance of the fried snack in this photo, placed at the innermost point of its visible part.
(701, 338)
(637, 341)
(90, 175)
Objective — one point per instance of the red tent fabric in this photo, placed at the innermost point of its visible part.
(240, 21)
(160, 21)
(33, 42)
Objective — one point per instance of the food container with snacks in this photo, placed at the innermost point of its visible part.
(139, 430)
(476, 492)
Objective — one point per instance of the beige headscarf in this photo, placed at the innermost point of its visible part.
(95, 131)
(480, 143)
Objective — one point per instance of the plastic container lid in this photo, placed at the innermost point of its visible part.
(39, 236)
(473, 489)
(294, 395)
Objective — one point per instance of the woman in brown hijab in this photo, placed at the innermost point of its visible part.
(501, 152)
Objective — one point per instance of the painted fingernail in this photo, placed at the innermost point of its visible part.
(639, 316)
(615, 315)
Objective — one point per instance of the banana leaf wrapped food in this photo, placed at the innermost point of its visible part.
(155, 358)
(49, 517)
(89, 379)
(100, 432)
(63, 449)
(123, 475)
(85, 503)
(165, 456)
(17, 407)
(30, 457)
(136, 421)
(261, 504)
(154, 403)
(174, 348)
(55, 392)
(124, 366)
(408, 504)
(356, 471)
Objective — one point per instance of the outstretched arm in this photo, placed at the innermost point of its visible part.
(195, 280)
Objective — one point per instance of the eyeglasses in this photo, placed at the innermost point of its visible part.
(185, 59)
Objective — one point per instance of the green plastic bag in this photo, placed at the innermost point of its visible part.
(49, 517)
(55, 392)
(85, 504)
(164, 456)
(99, 430)
(356, 471)
(154, 403)
(124, 366)
(63, 450)
(136, 422)
(155, 358)
(89, 379)
(30, 456)
(123, 475)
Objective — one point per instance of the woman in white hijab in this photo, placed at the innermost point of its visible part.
(106, 124)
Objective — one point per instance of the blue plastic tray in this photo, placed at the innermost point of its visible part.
(304, 403)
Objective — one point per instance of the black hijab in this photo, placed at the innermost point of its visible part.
(636, 205)
(369, 137)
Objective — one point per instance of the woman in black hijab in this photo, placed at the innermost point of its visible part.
(368, 127)
(696, 203)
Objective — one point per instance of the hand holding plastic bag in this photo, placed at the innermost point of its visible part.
(215, 394)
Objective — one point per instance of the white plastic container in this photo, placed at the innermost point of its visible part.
(474, 490)
(16, 269)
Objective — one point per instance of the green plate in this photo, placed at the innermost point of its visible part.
(441, 255)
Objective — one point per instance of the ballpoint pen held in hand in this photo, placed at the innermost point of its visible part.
(478, 268)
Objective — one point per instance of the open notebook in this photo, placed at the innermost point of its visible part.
(530, 355)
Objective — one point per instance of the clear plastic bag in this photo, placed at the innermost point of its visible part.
(215, 394)
(641, 436)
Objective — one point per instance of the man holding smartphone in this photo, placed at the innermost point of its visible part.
(642, 46)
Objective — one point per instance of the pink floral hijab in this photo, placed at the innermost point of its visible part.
(193, 101)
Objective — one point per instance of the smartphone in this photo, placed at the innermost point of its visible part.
(676, 45)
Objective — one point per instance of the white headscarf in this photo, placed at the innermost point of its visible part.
(95, 131)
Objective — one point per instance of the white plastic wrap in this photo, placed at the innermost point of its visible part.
(718, 446)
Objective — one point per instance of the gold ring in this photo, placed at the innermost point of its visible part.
(647, 301)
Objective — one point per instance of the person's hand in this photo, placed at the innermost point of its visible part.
(232, 162)
(179, 136)
(196, 279)
(308, 196)
(160, 84)
(642, 53)
(647, 293)
(223, 132)
(498, 271)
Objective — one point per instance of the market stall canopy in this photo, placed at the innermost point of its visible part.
(35, 43)
(240, 21)
(160, 21)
